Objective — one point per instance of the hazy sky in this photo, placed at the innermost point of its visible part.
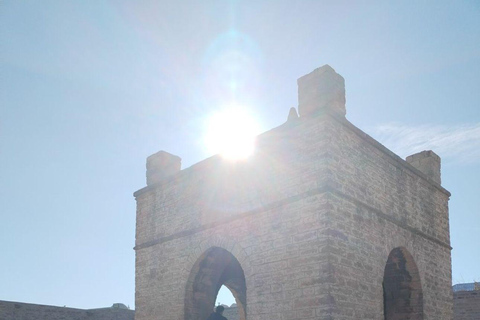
(89, 89)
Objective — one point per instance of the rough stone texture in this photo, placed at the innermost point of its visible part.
(231, 313)
(315, 224)
(160, 165)
(321, 89)
(28, 311)
(466, 305)
(428, 162)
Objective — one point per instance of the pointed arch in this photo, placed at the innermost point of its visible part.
(214, 268)
(402, 289)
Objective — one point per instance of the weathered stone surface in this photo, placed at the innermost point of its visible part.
(29, 311)
(427, 162)
(466, 305)
(321, 89)
(231, 313)
(161, 165)
(312, 223)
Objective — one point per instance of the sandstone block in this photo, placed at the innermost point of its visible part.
(427, 162)
(160, 165)
(321, 89)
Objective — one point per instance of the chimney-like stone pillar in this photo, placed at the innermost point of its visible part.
(321, 89)
(427, 162)
(160, 165)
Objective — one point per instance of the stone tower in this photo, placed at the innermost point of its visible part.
(322, 222)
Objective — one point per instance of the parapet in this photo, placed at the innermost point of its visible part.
(321, 89)
(427, 162)
(160, 165)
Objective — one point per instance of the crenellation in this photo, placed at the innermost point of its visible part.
(161, 165)
(427, 162)
(322, 89)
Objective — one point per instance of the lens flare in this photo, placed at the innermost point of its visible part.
(232, 133)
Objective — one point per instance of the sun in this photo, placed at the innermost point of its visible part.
(231, 133)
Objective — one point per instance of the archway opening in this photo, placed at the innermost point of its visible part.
(402, 290)
(215, 268)
(226, 299)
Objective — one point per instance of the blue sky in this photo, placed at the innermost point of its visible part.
(89, 89)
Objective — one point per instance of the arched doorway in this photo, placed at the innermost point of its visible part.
(216, 267)
(402, 290)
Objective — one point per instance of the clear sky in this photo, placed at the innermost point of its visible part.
(89, 89)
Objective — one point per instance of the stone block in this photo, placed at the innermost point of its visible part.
(321, 89)
(160, 165)
(427, 162)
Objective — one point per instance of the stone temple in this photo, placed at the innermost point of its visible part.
(322, 222)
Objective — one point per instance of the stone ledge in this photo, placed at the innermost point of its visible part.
(276, 204)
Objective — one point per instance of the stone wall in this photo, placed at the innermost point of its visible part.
(231, 313)
(28, 311)
(322, 222)
(381, 203)
(466, 305)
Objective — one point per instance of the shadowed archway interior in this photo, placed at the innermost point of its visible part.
(402, 290)
(216, 267)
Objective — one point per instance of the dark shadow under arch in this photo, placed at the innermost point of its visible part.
(216, 267)
(402, 289)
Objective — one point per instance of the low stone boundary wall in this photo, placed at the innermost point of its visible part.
(10, 310)
(466, 305)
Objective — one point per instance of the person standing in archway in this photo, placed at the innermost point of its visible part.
(217, 315)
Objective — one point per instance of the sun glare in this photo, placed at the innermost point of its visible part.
(232, 133)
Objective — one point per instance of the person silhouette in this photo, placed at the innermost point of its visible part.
(217, 315)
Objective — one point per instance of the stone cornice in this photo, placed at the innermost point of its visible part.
(285, 201)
